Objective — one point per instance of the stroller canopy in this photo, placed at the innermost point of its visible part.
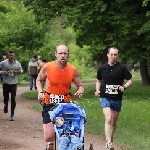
(67, 110)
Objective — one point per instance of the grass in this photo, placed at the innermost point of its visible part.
(133, 125)
(133, 130)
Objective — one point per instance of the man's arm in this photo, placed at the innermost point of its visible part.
(79, 85)
(126, 85)
(98, 84)
(19, 70)
(41, 77)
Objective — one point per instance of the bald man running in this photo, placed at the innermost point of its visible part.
(59, 75)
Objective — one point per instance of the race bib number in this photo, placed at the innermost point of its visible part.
(56, 98)
(11, 73)
(111, 89)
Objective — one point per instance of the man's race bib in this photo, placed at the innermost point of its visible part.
(11, 73)
(111, 89)
(56, 98)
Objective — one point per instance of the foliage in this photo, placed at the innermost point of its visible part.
(118, 23)
(102, 24)
(78, 56)
(19, 31)
(45, 9)
(54, 36)
(24, 77)
(106, 23)
(145, 2)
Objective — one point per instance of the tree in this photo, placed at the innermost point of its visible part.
(19, 30)
(101, 24)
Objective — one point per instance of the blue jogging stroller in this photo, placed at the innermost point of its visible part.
(68, 122)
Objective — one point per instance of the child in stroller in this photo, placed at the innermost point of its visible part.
(68, 120)
(69, 135)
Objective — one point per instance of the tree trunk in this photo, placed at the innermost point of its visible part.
(144, 72)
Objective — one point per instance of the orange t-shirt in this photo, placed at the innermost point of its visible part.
(59, 81)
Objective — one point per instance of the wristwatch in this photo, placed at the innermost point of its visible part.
(124, 87)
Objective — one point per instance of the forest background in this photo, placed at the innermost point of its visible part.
(88, 27)
(32, 27)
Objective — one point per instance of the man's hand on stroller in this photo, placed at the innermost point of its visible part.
(41, 96)
(78, 94)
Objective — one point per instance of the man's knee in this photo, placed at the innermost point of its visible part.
(108, 120)
(13, 100)
(49, 134)
(49, 138)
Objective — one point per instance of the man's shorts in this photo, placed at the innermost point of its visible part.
(45, 114)
(113, 104)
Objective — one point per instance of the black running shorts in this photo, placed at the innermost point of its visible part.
(45, 114)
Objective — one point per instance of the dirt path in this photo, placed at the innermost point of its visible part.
(26, 133)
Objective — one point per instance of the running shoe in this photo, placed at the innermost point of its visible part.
(11, 118)
(50, 146)
(5, 109)
(109, 146)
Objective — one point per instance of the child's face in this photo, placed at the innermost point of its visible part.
(59, 122)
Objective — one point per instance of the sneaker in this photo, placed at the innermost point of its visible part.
(11, 118)
(50, 146)
(5, 109)
(109, 146)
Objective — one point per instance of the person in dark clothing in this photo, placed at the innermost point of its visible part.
(33, 71)
(110, 87)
